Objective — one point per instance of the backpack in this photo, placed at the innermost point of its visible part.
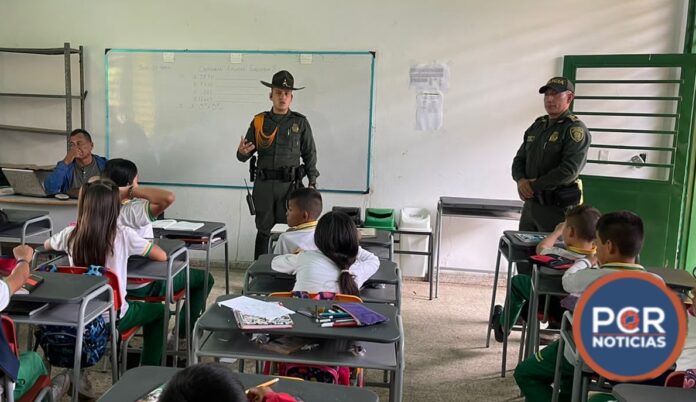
(58, 342)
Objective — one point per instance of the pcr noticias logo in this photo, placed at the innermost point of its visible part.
(628, 326)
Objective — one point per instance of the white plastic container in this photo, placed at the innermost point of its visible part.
(414, 219)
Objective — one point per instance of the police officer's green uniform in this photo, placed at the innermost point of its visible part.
(553, 152)
(282, 140)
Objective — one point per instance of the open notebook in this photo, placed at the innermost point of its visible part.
(172, 224)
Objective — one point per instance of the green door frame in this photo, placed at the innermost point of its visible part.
(678, 200)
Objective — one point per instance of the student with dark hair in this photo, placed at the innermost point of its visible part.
(214, 382)
(78, 166)
(304, 208)
(97, 239)
(619, 240)
(339, 265)
(139, 207)
(578, 234)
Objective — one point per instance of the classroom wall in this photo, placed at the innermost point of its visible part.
(499, 53)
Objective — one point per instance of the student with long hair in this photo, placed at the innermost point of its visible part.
(139, 207)
(339, 265)
(98, 239)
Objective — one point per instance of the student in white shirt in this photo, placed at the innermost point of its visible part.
(98, 239)
(304, 208)
(339, 265)
(31, 365)
(139, 207)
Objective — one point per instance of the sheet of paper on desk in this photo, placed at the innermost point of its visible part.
(279, 228)
(172, 224)
(258, 308)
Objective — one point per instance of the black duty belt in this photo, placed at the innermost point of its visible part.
(284, 174)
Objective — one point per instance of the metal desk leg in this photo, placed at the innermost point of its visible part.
(506, 320)
(207, 271)
(187, 317)
(227, 265)
(114, 334)
(438, 232)
(495, 289)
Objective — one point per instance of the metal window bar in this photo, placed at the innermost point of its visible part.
(633, 147)
(631, 131)
(628, 81)
(626, 114)
(636, 98)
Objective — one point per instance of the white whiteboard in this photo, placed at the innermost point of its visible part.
(179, 114)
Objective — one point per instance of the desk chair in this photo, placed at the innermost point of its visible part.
(584, 378)
(42, 387)
(177, 298)
(545, 282)
(124, 337)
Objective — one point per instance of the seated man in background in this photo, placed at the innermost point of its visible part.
(77, 167)
(304, 208)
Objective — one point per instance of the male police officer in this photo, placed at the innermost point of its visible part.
(548, 163)
(281, 137)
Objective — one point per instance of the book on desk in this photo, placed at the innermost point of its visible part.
(247, 322)
(23, 307)
(172, 224)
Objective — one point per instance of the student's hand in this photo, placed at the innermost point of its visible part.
(123, 192)
(23, 252)
(524, 189)
(559, 228)
(245, 147)
(21, 272)
(593, 259)
(258, 394)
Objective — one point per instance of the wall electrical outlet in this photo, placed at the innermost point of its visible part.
(603, 155)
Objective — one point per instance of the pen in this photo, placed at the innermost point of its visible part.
(339, 324)
(265, 384)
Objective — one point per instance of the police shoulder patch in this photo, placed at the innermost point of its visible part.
(577, 133)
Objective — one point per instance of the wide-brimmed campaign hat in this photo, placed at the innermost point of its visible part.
(283, 80)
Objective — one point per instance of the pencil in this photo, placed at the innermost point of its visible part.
(265, 384)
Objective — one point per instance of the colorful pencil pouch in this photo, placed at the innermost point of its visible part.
(362, 315)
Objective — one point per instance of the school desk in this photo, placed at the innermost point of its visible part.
(62, 212)
(652, 393)
(206, 238)
(140, 381)
(515, 250)
(260, 278)
(74, 301)
(24, 225)
(470, 207)
(216, 334)
(177, 261)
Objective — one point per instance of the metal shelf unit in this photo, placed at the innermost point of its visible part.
(66, 51)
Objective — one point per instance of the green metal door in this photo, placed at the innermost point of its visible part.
(639, 109)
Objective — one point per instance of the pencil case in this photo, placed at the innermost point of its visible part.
(362, 315)
(552, 261)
